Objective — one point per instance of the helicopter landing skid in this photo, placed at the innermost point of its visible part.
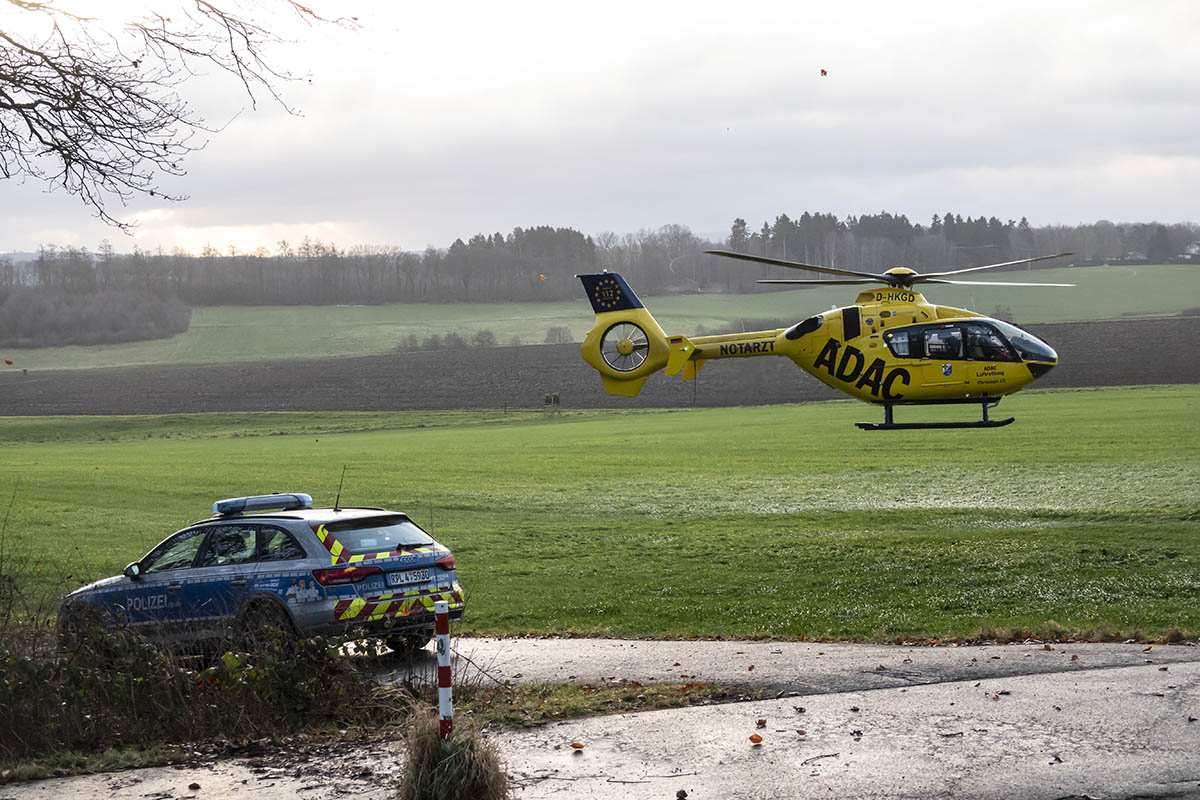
(889, 424)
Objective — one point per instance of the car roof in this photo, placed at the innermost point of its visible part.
(309, 515)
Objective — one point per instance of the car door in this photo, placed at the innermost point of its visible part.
(155, 602)
(221, 578)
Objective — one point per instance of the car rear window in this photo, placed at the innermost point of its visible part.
(378, 534)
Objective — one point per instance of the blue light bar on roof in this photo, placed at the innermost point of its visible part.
(262, 502)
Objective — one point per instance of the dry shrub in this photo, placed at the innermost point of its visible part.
(469, 769)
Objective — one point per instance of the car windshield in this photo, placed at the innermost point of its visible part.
(382, 534)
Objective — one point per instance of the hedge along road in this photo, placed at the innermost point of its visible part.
(1113, 353)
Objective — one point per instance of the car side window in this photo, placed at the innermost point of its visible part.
(229, 544)
(178, 552)
(278, 545)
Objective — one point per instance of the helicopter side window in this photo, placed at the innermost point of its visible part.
(943, 341)
(985, 344)
(902, 342)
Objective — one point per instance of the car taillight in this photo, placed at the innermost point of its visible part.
(336, 576)
(445, 562)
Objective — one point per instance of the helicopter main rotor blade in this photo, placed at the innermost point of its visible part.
(928, 275)
(820, 281)
(991, 283)
(779, 262)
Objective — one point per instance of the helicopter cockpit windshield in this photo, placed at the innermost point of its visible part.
(1028, 346)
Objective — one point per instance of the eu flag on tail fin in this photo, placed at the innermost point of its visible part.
(608, 291)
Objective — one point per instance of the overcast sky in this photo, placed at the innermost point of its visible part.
(439, 120)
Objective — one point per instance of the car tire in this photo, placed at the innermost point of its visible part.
(408, 643)
(264, 623)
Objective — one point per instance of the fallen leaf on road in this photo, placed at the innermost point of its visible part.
(801, 731)
(577, 745)
(193, 787)
(762, 723)
(1075, 657)
(854, 708)
(750, 668)
(1047, 647)
(755, 738)
(1148, 649)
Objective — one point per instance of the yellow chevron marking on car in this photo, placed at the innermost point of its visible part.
(356, 605)
(373, 609)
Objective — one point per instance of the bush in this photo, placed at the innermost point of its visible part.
(36, 317)
(483, 338)
(559, 334)
(114, 689)
(468, 768)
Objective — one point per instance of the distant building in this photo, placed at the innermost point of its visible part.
(1191, 252)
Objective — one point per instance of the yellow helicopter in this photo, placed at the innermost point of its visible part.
(890, 347)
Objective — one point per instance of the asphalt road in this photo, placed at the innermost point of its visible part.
(1009, 722)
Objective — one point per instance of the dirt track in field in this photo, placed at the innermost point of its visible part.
(1127, 352)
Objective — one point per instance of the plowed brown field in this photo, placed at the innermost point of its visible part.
(1090, 354)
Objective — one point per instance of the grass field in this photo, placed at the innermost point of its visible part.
(228, 334)
(765, 521)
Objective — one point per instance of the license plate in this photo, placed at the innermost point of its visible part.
(408, 576)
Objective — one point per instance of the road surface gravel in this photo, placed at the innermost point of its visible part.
(1028, 720)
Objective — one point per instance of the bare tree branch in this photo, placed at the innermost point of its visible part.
(95, 110)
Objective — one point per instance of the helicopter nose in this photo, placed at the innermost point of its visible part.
(1039, 370)
(1047, 360)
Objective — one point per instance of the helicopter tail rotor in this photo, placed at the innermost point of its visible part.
(626, 345)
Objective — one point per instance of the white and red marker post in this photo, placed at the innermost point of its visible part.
(441, 610)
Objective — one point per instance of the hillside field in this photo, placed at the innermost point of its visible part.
(780, 521)
(238, 334)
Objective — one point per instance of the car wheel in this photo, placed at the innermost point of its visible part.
(265, 623)
(409, 643)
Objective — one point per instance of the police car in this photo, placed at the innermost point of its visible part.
(275, 560)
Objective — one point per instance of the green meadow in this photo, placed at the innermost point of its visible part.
(234, 333)
(775, 521)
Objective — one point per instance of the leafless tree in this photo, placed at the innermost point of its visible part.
(94, 108)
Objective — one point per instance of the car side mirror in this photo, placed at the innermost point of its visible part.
(132, 571)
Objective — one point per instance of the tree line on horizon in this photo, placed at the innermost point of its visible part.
(151, 290)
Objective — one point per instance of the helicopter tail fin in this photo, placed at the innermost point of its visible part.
(626, 345)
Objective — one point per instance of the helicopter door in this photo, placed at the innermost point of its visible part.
(941, 350)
